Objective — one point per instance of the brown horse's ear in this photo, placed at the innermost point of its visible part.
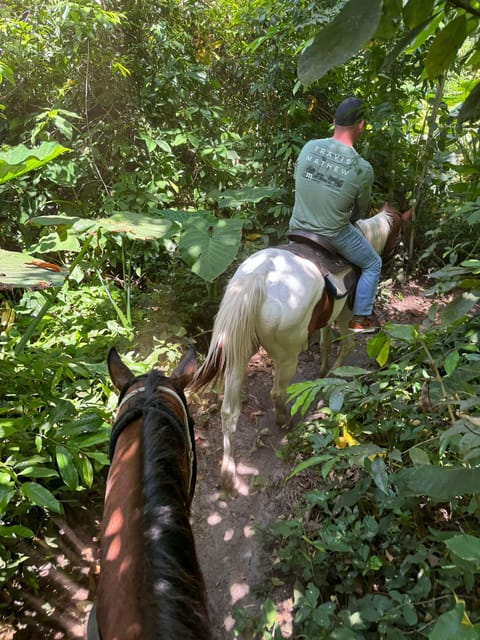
(407, 214)
(184, 371)
(119, 372)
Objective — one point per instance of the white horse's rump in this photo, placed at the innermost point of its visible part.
(269, 302)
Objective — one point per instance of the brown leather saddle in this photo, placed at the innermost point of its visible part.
(340, 275)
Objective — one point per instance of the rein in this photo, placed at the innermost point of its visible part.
(119, 425)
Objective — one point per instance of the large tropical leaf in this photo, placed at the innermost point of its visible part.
(340, 39)
(237, 197)
(438, 483)
(444, 48)
(20, 159)
(210, 245)
(454, 624)
(135, 225)
(20, 270)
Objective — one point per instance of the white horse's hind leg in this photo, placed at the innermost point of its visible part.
(346, 336)
(284, 370)
(231, 406)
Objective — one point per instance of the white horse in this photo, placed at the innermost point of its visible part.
(276, 299)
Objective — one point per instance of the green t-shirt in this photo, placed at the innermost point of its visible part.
(331, 178)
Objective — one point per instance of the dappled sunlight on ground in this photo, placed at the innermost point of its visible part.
(226, 527)
(65, 571)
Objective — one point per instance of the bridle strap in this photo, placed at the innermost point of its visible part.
(186, 423)
(127, 397)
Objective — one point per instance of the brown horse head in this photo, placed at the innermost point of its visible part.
(150, 584)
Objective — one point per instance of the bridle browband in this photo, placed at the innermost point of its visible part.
(186, 426)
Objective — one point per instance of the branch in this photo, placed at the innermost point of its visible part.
(439, 380)
(461, 4)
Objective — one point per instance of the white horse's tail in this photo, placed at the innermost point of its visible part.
(234, 339)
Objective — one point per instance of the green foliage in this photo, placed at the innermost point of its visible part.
(448, 25)
(453, 246)
(167, 133)
(187, 118)
(351, 28)
(19, 160)
(56, 409)
(51, 418)
(264, 625)
(386, 543)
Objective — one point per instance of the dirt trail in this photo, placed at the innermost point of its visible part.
(234, 562)
(225, 528)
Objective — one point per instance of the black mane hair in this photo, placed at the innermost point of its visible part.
(174, 595)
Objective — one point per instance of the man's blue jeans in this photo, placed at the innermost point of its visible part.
(352, 245)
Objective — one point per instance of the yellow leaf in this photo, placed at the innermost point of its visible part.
(346, 440)
(465, 619)
(312, 103)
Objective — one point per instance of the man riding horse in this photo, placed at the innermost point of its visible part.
(333, 184)
(280, 296)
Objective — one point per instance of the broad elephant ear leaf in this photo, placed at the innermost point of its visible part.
(20, 270)
(210, 245)
(237, 197)
(340, 39)
(20, 159)
(135, 225)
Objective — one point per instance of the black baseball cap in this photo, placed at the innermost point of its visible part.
(349, 112)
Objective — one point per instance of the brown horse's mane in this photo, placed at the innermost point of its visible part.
(174, 595)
